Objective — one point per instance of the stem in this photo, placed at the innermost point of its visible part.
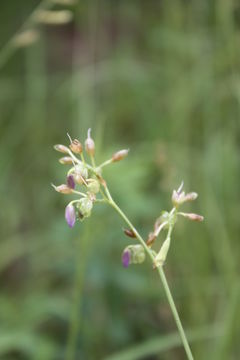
(161, 274)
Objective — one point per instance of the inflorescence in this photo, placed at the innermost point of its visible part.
(85, 180)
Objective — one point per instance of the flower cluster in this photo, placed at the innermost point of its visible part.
(85, 180)
(83, 176)
(167, 220)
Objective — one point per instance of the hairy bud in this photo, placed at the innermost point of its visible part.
(89, 144)
(93, 186)
(120, 155)
(85, 207)
(61, 148)
(70, 215)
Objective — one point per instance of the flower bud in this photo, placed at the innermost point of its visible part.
(70, 215)
(119, 155)
(85, 207)
(130, 233)
(80, 173)
(192, 217)
(138, 254)
(63, 189)
(76, 146)
(66, 160)
(89, 144)
(181, 198)
(93, 186)
(133, 254)
(61, 148)
(71, 182)
(126, 257)
(162, 255)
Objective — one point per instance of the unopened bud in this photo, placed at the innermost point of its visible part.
(133, 254)
(80, 173)
(85, 207)
(61, 148)
(76, 146)
(70, 215)
(130, 233)
(93, 186)
(89, 144)
(126, 257)
(119, 155)
(66, 160)
(193, 217)
(162, 255)
(63, 189)
(71, 182)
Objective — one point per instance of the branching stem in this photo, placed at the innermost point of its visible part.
(160, 272)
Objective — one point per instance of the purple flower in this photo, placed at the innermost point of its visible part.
(70, 182)
(126, 258)
(70, 215)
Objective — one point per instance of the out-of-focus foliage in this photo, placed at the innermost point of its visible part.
(160, 77)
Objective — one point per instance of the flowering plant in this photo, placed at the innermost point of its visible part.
(93, 189)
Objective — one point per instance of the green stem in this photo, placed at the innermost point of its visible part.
(161, 274)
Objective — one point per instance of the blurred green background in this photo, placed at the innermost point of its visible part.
(162, 78)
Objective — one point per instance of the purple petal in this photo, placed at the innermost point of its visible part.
(126, 258)
(70, 182)
(70, 215)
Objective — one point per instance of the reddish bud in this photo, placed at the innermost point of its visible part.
(76, 146)
(193, 217)
(130, 233)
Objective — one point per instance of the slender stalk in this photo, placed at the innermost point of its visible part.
(161, 274)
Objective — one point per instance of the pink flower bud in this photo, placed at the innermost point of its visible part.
(119, 155)
(63, 189)
(89, 144)
(70, 215)
(126, 258)
(193, 217)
